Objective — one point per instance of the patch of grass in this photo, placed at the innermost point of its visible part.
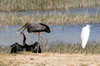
(84, 65)
(2, 64)
(91, 47)
(25, 5)
(53, 18)
(4, 49)
(60, 47)
(40, 64)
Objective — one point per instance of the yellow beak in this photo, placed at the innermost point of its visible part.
(90, 26)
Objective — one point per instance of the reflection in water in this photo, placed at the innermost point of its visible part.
(67, 34)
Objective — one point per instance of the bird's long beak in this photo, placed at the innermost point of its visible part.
(22, 28)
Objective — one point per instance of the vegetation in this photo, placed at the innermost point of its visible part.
(26, 5)
(53, 18)
(4, 49)
(91, 47)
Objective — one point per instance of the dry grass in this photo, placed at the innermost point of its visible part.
(49, 59)
(53, 18)
(54, 55)
(91, 48)
(19, 5)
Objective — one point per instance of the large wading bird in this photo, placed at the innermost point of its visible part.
(85, 35)
(33, 47)
(36, 28)
(16, 47)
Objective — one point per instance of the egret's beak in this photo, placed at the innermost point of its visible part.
(90, 26)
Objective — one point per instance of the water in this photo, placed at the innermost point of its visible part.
(67, 34)
(88, 11)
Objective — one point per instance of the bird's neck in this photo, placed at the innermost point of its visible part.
(24, 39)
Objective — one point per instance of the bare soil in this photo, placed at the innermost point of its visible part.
(49, 59)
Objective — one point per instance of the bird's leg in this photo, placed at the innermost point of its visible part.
(38, 48)
(39, 37)
(42, 36)
(38, 41)
(81, 49)
(86, 51)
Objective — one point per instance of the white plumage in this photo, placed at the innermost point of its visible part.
(85, 35)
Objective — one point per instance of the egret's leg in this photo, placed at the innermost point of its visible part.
(82, 51)
(86, 50)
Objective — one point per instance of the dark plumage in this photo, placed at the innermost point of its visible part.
(33, 47)
(36, 28)
(16, 47)
(36, 48)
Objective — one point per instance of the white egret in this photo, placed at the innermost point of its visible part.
(85, 35)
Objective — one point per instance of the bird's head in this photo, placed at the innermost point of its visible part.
(47, 27)
(24, 27)
(88, 25)
(48, 30)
